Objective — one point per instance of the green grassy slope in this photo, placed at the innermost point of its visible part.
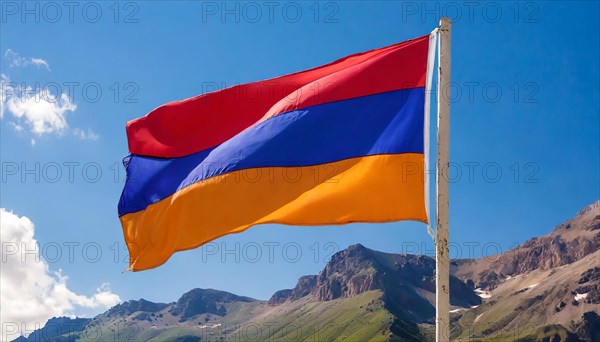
(359, 318)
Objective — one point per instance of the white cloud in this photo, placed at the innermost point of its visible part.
(5, 87)
(38, 110)
(18, 128)
(31, 292)
(17, 61)
(86, 134)
(42, 111)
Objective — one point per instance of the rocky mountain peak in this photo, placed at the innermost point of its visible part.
(357, 250)
(131, 306)
(587, 219)
(57, 326)
(201, 301)
(570, 241)
(304, 287)
(590, 208)
(358, 269)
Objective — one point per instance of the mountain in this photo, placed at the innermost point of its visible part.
(361, 294)
(407, 282)
(547, 289)
(568, 243)
(58, 329)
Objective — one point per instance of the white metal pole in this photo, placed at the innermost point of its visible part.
(442, 275)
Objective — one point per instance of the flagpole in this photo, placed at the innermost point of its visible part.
(442, 274)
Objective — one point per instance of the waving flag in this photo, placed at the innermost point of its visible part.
(336, 144)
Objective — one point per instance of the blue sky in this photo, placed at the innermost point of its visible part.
(525, 103)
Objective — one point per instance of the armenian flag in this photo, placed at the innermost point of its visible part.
(336, 144)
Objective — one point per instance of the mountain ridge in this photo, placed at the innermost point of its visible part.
(567, 243)
(548, 288)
